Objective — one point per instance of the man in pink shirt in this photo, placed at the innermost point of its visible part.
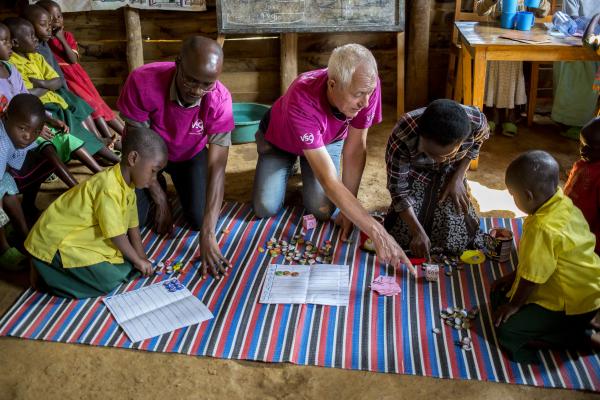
(323, 115)
(189, 108)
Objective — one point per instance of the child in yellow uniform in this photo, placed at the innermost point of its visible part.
(88, 241)
(553, 295)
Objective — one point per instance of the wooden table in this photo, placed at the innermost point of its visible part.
(481, 42)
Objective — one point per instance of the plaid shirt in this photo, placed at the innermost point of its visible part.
(403, 158)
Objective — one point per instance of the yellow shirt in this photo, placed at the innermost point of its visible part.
(80, 223)
(557, 253)
(35, 66)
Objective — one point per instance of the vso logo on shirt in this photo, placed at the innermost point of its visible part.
(370, 118)
(307, 138)
(197, 127)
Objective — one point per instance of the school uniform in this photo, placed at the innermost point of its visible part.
(33, 65)
(556, 252)
(71, 242)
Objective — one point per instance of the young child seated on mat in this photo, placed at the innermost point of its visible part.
(20, 125)
(12, 84)
(505, 82)
(65, 50)
(88, 241)
(40, 79)
(551, 298)
(583, 185)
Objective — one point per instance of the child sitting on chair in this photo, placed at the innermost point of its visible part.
(64, 47)
(505, 83)
(551, 298)
(20, 126)
(583, 185)
(88, 241)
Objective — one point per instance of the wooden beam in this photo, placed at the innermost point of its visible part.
(221, 39)
(133, 30)
(417, 71)
(400, 37)
(289, 59)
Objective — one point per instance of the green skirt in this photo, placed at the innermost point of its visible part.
(64, 143)
(83, 282)
(90, 142)
(77, 105)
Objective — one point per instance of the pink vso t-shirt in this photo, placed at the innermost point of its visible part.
(302, 119)
(146, 97)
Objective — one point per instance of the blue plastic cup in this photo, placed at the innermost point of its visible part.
(509, 6)
(532, 3)
(524, 20)
(507, 20)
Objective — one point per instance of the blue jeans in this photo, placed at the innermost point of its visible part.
(273, 170)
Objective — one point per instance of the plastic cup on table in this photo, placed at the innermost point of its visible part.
(507, 20)
(524, 20)
(509, 6)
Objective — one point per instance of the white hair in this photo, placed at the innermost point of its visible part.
(345, 59)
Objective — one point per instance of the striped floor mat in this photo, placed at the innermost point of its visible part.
(385, 334)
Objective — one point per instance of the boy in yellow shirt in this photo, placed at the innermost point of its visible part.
(88, 241)
(550, 300)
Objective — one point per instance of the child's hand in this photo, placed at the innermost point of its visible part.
(503, 313)
(144, 266)
(502, 284)
(46, 133)
(59, 125)
(59, 33)
(37, 83)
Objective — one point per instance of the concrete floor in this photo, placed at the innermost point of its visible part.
(42, 370)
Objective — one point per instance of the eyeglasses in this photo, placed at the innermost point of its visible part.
(193, 84)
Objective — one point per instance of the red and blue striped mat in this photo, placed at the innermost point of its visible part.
(375, 333)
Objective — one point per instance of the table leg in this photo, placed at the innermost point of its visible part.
(479, 67)
(466, 71)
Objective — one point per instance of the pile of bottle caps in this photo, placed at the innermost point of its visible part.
(300, 251)
(459, 318)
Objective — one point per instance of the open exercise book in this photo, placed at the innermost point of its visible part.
(298, 284)
(156, 309)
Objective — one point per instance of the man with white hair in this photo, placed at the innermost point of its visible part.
(324, 116)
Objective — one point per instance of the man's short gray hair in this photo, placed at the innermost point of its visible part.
(345, 59)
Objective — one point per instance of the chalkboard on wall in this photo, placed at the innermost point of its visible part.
(273, 16)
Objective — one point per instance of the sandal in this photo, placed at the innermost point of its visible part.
(13, 260)
(572, 133)
(509, 129)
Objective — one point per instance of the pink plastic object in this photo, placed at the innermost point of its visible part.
(309, 222)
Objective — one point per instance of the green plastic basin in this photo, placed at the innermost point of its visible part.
(247, 116)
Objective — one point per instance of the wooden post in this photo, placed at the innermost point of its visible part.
(417, 71)
(133, 30)
(400, 37)
(221, 39)
(289, 59)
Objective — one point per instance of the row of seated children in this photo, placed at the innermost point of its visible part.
(28, 65)
(65, 49)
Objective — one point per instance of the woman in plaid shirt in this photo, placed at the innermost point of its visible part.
(427, 157)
